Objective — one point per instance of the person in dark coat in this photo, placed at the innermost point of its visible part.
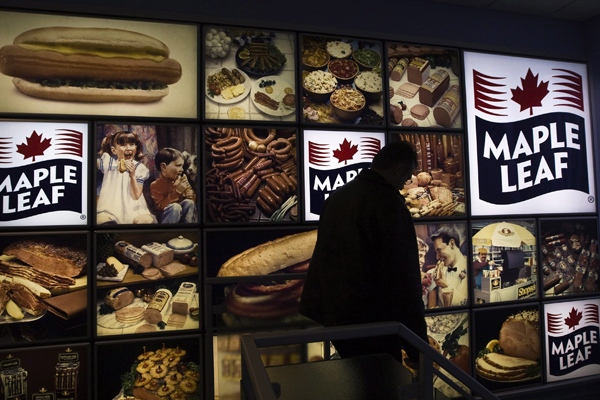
(365, 266)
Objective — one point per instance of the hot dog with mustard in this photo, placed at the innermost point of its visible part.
(90, 65)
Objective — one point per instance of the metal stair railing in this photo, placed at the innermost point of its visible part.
(256, 385)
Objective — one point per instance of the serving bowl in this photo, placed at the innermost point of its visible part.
(181, 245)
(313, 59)
(343, 69)
(370, 84)
(217, 43)
(348, 103)
(319, 85)
(366, 59)
(339, 49)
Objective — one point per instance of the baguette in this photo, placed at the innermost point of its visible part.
(271, 256)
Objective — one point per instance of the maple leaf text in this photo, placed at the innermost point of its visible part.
(551, 139)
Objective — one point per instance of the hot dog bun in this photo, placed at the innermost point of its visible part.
(89, 64)
(95, 41)
(88, 94)
(271, 256)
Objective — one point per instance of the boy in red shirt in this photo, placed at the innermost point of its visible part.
(171, 191)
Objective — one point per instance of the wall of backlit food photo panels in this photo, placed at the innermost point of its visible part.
(127, 222)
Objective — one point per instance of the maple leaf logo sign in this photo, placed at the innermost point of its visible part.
(345, 152)
(35, 146)
(531, 94)
(573, 319)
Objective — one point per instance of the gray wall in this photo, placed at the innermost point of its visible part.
(418, 21)
(411, 20)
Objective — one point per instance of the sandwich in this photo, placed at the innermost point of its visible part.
(89, 65)
(269, 299)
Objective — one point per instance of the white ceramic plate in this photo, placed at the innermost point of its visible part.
(6, 319)
(277, 95)
(219, 99)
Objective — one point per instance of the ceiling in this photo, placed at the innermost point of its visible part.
(573, 10)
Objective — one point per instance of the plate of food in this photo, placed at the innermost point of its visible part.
(443, 324)
(260, 59)
(227, 86)
(273, 96)
(21, 300)
(110, 272)
(14, 313)
(514, 356)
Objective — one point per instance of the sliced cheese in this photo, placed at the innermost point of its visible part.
(115, 263)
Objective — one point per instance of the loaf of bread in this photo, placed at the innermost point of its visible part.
(119, 298)
(271, 256)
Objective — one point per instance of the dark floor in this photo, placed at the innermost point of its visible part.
(576, 389)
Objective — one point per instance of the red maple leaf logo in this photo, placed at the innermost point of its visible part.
(345, 152)
(532, 94)
(573, 319)
(35, 146)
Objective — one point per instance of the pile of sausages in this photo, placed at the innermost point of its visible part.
(248, 171)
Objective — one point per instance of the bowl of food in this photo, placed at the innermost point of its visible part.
(339, 49)
(370, 84)
(348, 103)
(319, 85)
(313, 59)
(217, 43)
(366, 59)
(344, 70)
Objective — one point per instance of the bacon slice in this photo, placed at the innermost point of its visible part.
(265, 100)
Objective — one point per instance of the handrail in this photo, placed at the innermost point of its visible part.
(256, 383)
